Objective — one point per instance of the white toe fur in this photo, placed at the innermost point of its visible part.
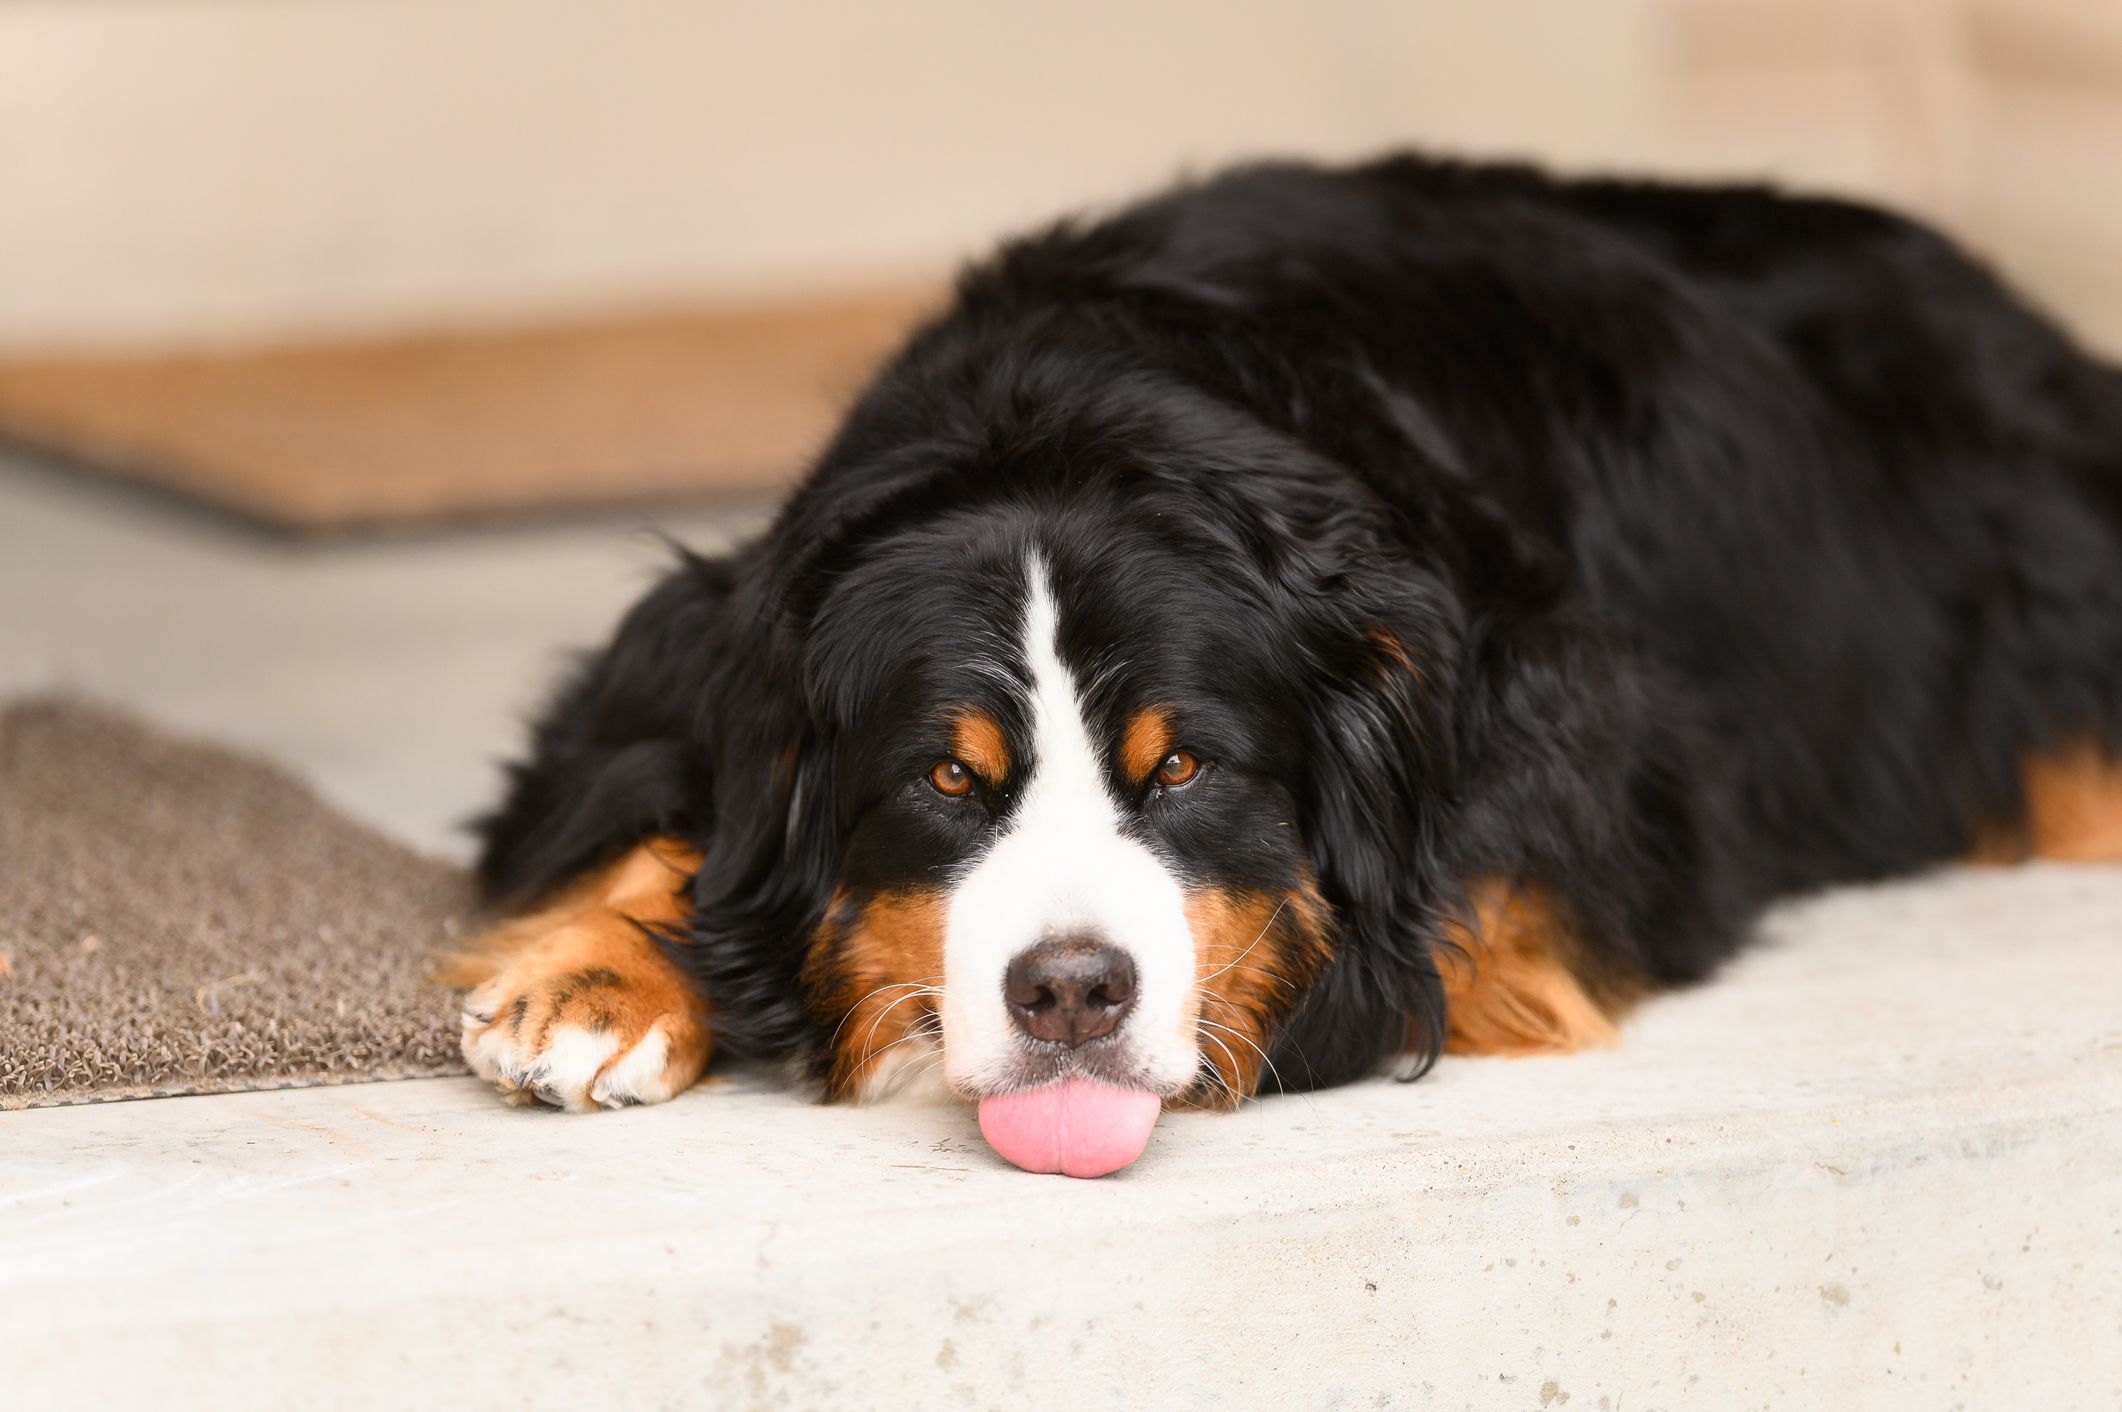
(560, 1074)
(488, 1050)
(563, 1073)
(576, 1070)
(642, 1076)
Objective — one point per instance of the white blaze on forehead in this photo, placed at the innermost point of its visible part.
(1066, 795)
(1065, 865)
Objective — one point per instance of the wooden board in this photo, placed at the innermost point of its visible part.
(433, 426)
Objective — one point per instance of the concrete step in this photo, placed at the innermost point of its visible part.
(1877, 1164)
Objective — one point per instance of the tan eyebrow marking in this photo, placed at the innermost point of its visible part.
(1145, 742)
(979, 744)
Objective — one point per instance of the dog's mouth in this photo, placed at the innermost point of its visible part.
(1084, 1112)
(1076, 1127)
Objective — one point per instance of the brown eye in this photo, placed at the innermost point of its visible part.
(951, 778)
(1178, 768)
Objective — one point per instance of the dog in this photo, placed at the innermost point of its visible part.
(1315, 620)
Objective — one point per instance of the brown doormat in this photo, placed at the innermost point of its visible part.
(178, 919)
(359, 433)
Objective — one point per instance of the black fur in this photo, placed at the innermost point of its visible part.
(1740, 545)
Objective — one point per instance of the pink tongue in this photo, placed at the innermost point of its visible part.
(1076, 1127)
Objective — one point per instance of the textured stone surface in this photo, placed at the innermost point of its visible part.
(1877, 1165)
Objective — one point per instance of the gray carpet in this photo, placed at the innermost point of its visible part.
(175, 919)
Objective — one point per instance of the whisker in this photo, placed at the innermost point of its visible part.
(1211, 993)
(931, 1031)
(1248, 1041)
(869, 1036)
(1253, 943)
(919, 1069)
(902, 1039)
(896, 985)
(1276, 976)
(1228, 1087)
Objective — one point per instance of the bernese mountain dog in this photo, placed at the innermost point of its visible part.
(1315, 620)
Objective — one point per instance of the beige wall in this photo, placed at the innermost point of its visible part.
(172, 170)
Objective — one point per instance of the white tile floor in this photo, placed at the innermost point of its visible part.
(1878, 1164)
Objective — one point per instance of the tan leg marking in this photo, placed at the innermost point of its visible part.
(2073, 812)
(574, 1005)
(1511, 982)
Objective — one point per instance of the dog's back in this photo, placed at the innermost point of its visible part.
(1856, 508)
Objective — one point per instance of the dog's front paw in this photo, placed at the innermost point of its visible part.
(593, 1016)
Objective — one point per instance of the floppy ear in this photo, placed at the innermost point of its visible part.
(1540, 760)
(1515, 747)
(1376, 672)
(689, 723)
(1382, 762)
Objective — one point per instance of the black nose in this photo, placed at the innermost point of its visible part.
(1070, 990)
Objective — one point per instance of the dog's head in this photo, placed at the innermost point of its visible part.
(1086, 728)
(1092, 744)
(1075, 844)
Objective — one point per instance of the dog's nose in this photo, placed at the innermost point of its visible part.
(1070, 990)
